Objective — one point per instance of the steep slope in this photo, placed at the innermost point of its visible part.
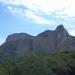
(45, 42)
(53, 41)
(19, 44)
(63, 39)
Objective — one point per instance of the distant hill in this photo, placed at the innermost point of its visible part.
(49, 41)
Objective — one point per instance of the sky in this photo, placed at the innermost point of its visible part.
(35, 16)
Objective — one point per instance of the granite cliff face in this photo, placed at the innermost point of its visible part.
(57, 40)
(19, 44)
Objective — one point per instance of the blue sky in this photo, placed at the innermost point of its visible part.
(35, 16)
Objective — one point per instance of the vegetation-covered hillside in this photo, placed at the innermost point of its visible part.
(62, 63)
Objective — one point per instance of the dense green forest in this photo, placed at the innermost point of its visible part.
(61, 63)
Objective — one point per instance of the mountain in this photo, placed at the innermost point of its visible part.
(20, 44)
(52, 41)
(17, 45)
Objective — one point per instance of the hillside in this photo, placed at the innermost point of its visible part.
(48, 53)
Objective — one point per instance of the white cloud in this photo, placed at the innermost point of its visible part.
(72, 32)
(11, 2)
(29, 14)
(47, 7)
(2, 41)
(15, 10)
(34, 17)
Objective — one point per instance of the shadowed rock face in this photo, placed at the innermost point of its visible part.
(52, 41)
(17, 36)
(60, 27)
(19, 44)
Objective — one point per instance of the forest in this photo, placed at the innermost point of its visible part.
(60, 63)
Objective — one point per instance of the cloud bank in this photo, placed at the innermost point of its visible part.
(44, 11)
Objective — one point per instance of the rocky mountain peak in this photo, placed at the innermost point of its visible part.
(45, 33)
(17, 36)
(61, 30)
(60, 27)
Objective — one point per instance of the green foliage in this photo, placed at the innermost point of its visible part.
(61, 63)
(3, 71)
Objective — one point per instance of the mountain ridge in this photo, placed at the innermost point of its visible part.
(49, 41)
